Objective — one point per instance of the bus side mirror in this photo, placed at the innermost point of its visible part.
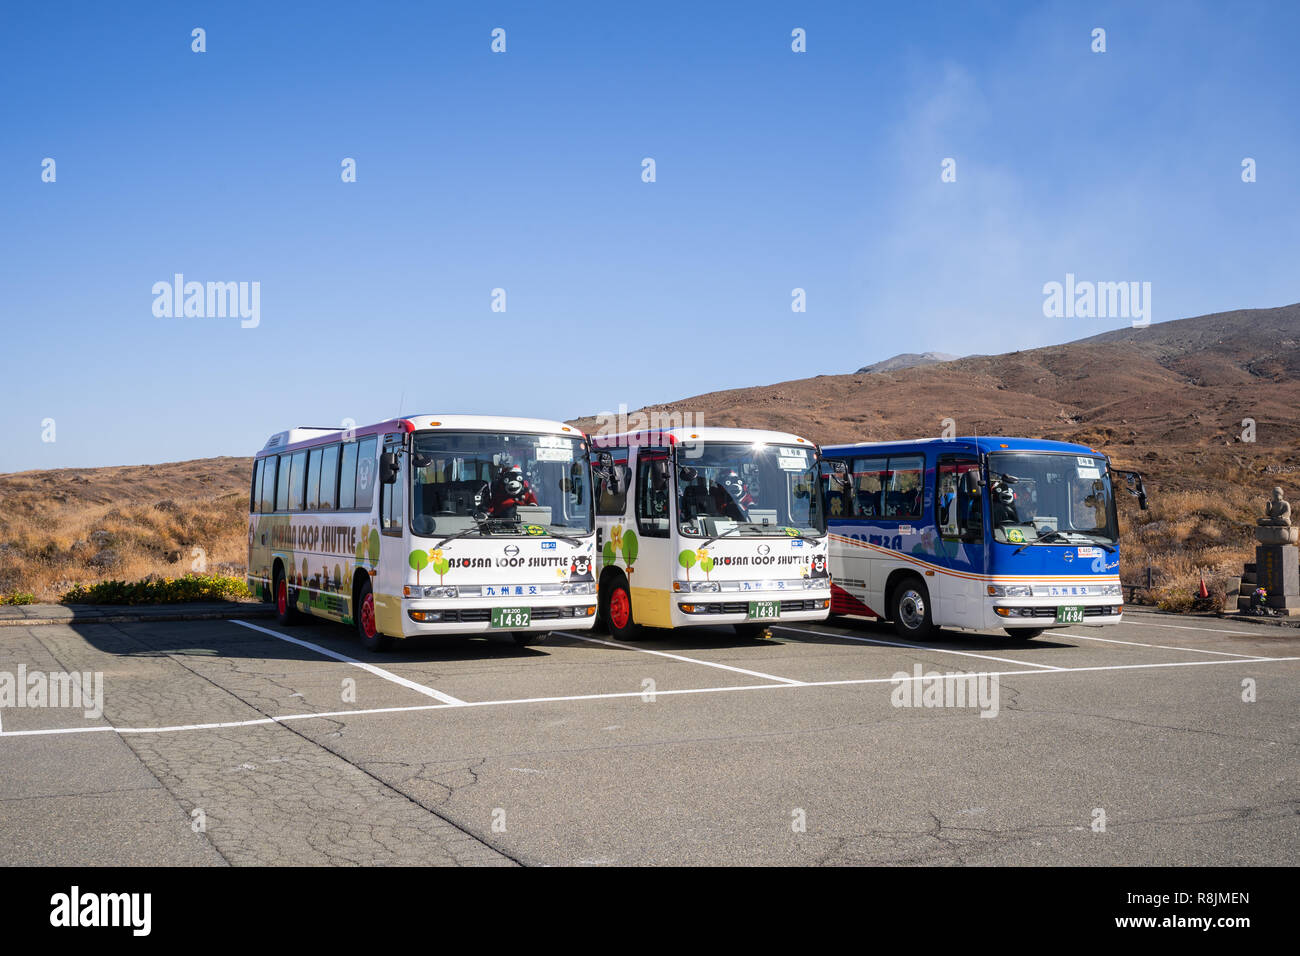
(1133, 479)
(687, 474)
(972, 482)
(388, 467)
(604, 470)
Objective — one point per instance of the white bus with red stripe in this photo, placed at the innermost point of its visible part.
(975, 533)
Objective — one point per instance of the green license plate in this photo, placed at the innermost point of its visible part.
(511, 617)
(764, 610)
(1069, 614)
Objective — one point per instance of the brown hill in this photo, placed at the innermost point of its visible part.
(1187, 383)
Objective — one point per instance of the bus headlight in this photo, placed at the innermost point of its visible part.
(1010, 590)
(705, 586)
(1112, 590)
(580, 587)
(432, 591)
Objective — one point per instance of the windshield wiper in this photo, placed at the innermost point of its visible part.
(575, 541)
(1044, 539)
(480, 525)
(734, 528)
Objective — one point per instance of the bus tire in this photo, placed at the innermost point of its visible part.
(285, 611)
(616, 610)
(529, 638)
(909, 607)
(1024, 633)
(367, 629)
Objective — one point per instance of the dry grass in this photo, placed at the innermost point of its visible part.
(1188, 533)
(67, 527)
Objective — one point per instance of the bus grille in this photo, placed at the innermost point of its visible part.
(742, 607)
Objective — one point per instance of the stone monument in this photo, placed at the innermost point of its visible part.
(1277, 559)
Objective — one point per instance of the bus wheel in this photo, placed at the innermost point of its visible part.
(529, 638)
(1024, 633)
(910, 609)
(616, 611)
(752, 632)
(371, 639)
(285, 612)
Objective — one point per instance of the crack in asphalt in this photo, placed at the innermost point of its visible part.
(399, 842)
(956, 843)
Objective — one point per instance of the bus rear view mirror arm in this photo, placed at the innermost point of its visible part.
(1135, 487)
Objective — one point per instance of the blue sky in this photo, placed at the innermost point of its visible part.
(522, 171)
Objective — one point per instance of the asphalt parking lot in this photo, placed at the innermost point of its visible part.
(1158, 741)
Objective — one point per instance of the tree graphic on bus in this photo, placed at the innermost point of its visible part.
(687, 560)
(620, 541)
(418, 560)
(368, 547)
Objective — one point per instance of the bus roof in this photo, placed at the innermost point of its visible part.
(981, 443)
(671, 436)
(304, 436)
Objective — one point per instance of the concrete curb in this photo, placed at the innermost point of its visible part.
(36, 615)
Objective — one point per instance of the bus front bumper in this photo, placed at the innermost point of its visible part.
(1014, 613)
(467, 617)
(690, 610)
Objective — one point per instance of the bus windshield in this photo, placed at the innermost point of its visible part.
(1037, 498)
(485, 483)
(737, 488)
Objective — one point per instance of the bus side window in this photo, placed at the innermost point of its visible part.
(297, 480)
(958, 513)
(652, 498)
(313, 479)
(904, 494)
(348, 478)
(607, 502)
(390, 496)
(839, 498)
(869, 476)
(255, 494)
(367, 472)
(329, 478)
(282, 484)
(268, 484)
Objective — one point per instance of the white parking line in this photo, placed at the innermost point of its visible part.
(330, 715)
(919, 647)
(679, 657)
(371, 668)
(1163, 647)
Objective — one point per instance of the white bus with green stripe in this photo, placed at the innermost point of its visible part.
(427, 525)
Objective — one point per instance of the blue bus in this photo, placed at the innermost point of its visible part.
(976, 533)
